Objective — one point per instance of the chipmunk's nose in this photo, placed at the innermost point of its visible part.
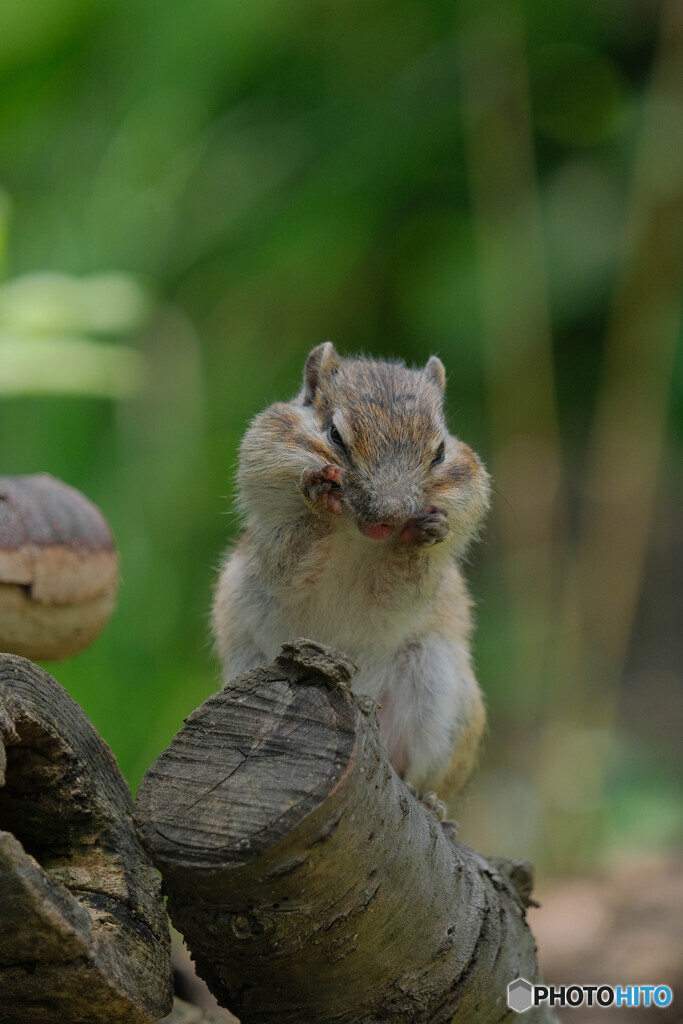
(380, 518)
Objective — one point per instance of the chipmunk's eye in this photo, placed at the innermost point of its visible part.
(336, 438)
(440, 454)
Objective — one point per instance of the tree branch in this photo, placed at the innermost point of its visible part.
(309, 884)
(84, 936)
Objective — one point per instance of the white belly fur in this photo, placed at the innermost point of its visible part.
(422, 679)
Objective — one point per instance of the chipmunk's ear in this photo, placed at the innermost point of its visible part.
(435, 373)
(321, 362)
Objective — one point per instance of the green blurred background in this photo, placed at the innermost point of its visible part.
(194, 194)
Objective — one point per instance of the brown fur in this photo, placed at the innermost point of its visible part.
(368, 435)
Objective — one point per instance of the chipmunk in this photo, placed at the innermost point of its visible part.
(358, 505)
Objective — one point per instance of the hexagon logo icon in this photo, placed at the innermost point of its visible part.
(520, 995)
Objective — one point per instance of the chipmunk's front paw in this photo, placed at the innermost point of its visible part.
(427, 527)
(438, 808)
(322, 490)
(431, 801)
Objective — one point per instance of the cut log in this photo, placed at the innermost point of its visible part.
(309, 884)
(58, 568)
(83, 930)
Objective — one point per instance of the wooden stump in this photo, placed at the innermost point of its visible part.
(309, 884)
(83, 930)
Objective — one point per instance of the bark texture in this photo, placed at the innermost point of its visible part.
(58, 568)
(309, 884)
(83, 936)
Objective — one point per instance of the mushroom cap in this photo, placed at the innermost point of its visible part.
(58, 568)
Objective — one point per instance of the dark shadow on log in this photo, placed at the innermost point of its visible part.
(307, 881)
(83, 930)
